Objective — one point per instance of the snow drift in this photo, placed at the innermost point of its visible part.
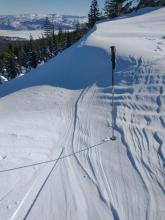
(65, 106)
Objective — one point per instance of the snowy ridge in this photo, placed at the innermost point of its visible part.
(66, 104)
(36, 21)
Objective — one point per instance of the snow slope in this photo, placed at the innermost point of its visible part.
(64, 106)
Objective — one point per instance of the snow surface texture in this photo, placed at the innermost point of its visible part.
(3, 79)
(65, 106)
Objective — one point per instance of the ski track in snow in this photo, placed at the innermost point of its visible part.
(120, 180)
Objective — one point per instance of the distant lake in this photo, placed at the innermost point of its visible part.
(22, 34)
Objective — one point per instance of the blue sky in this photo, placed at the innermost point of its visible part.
(71, 7)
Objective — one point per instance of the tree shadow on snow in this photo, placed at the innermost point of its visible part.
(76, 68)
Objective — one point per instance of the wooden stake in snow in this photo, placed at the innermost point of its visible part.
(113, 59)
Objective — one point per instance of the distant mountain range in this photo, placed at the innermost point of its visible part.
(36, 21)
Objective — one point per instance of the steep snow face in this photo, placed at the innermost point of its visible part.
(64, 107)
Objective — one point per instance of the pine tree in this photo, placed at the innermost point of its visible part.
(12, 67)
(112, 8)
(60, 39)
(118, 7)
(54, 42)
(94, 13)
(107, 9)
(78, 31)
(48, 28)
(33, 61)
(25, 59)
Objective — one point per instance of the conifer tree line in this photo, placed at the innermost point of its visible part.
(146, 3)
(113, 8)
(22, 56)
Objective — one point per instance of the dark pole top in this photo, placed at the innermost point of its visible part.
(113, 59)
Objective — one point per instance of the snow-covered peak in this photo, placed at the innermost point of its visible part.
(36, 21)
